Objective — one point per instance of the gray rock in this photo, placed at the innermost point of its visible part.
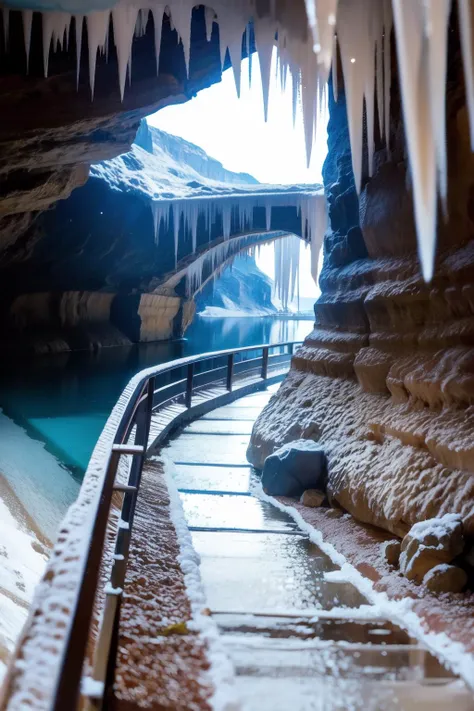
(312, 498)
(293, 468)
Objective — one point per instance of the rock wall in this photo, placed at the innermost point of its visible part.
(386, 378)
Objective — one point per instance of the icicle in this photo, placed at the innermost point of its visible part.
(334, 69)
(268, 216)
(209, 16)
(27, 16)
(158, 11)
(322, 20)
(317, 234)
(369, 88)
(124, 18)
(295, 92)
(413, 62)
(354, 46)
(97, 26)
(79, 23)
(48, 26)
(387, 67)
(226, 219)
(176, 221)
(264, 39)
(249, 54)
(6, 26)
(466, 20)
(377, 24)
(181, 12)
(437, 20)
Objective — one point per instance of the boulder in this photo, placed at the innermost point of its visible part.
(293, 468)
(391, 552)
(335, 513)
(429, 544)
(445, 578)
(312, 498)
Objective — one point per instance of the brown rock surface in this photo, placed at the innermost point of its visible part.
(312, 498)
(391, 552)
(445, 579)
(385, 381)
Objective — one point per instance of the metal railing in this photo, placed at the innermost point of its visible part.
(197, 384)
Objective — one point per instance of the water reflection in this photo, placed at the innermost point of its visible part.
(65, 400)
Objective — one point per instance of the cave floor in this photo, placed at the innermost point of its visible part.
(298, 636)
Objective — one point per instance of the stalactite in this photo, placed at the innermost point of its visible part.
(413, 61)
(158, 11)
(79, 22)
(27, 22)
(97, 26)
(240, 209)
(364, 45)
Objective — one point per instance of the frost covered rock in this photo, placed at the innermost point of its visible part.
(430, 543)
(295, 467)
(391, 551)
(312, 498)
(445, 578)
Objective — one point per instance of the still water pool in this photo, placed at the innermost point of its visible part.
(53, 412)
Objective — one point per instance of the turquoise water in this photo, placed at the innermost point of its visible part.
(65, 400)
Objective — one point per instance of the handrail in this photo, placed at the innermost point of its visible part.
(72, 575)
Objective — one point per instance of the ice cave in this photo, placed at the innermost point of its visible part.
(232, 521)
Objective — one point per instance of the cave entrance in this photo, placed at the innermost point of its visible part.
(232, 129)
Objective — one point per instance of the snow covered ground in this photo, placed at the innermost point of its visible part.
(23, 555)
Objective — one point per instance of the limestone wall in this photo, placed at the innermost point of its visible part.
(386, 378)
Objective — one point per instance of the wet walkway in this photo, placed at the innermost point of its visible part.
(285, 624)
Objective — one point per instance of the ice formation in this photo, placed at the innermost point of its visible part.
(307, 48)
(240, 208)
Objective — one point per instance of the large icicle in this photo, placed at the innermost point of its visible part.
(437, 19)
(158, 11)
(466, 20)
(124, 19)
(97, 28)
(387, 67)
(79, 22)
(264, 40)
(181, 12)
(352, 32)
(27, 22)
(334, 69)
(413, 62)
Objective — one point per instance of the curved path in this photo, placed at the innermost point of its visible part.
(298, 635)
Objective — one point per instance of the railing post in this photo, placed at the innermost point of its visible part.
(189, 385)
(230, 371)
(290, 349)
(265, 363)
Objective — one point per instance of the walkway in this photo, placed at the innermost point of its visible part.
(285, 626)
(299, 638)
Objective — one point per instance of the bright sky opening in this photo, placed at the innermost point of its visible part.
(234, 131)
